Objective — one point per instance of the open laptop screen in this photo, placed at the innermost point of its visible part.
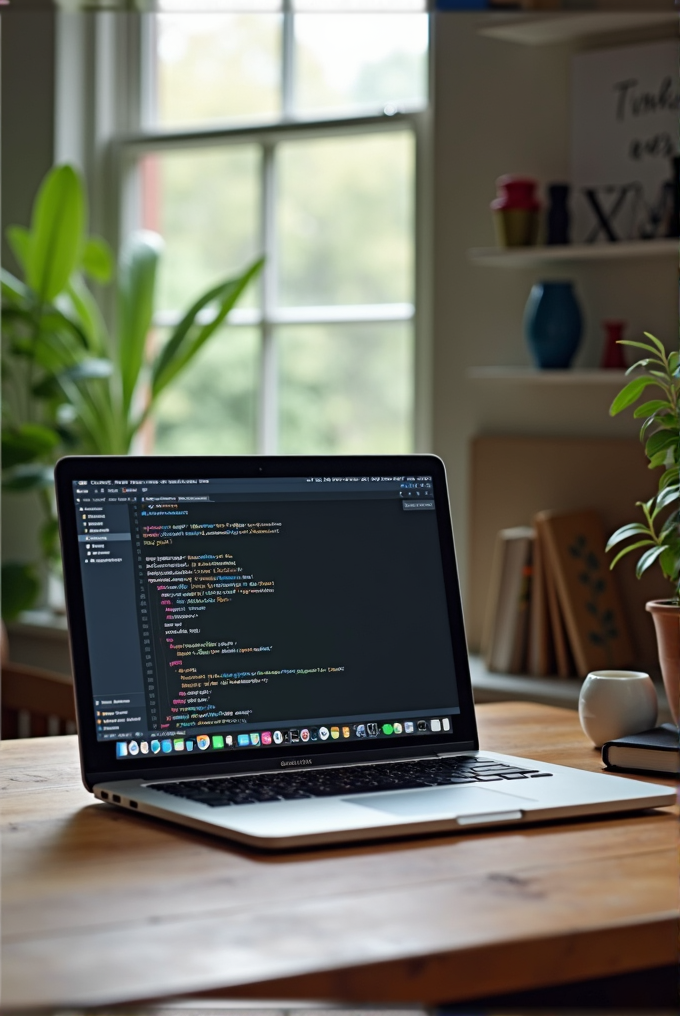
(226, 614)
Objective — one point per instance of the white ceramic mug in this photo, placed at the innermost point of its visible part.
(614, 703)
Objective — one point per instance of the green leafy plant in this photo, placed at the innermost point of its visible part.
(71, 383)
(658, 535)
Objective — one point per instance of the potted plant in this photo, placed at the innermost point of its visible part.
(657, 535)
(70, 382)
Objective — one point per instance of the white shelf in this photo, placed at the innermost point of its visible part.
(550, 29)
(528, 257)
(532, 375)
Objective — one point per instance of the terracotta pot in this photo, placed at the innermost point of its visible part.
(666, 617)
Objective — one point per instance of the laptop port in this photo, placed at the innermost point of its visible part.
(115, 798)
(133, 804)
(104, 794)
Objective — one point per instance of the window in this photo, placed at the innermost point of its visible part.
(294, 131)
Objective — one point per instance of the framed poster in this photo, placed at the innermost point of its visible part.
(624, 133)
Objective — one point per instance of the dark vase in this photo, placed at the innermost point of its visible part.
(553, 324)
(612, 352)
(559, 216)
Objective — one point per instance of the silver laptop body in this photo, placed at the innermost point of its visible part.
(272, 650)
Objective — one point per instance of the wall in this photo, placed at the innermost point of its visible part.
(503, 107)
(27, 117)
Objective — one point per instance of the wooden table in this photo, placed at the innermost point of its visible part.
(102, 907)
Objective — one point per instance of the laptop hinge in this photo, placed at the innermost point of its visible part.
(453, 754)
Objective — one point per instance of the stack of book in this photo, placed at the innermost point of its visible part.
(553, 605)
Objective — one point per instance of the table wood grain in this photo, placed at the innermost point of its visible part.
(104, 907)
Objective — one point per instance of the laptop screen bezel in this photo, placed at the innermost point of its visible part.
(95, 756)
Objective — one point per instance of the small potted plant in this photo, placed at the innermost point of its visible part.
(657, 535)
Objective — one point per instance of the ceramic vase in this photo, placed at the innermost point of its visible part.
(559, 216)
(612, 353)
(516, 212)
(666, 617)
(553, 324)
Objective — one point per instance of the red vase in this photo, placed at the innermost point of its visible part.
(516, 211)
(612, 354)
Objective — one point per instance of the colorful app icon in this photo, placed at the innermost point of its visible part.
(387, 728)
(446, 723)
(324, 733)
(243, 740)
(189, 745)
(346, 732)
(266, 737)
(203, 741)
(217, 741)
(304, 735)
(229, 740)
(166, 745)
(372, 729)
(314, 734)
(133, 748)
(178, 744)
(360, 729)
(408, 726)
(121, 749)
(144, 747)
(294, 736)
(155, 747)
(435, 726)
(277, 737)
(335, 733)
(397, 727)
(422, 726)
(255, 737)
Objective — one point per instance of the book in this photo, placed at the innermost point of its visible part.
(586, 589)
(504, 640)
(564, 662)
(540, 643)
(652, 751)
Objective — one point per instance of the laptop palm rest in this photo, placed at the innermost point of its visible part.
(444, 802)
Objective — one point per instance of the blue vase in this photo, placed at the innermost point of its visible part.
(553, 324)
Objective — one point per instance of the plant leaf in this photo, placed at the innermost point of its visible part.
(89, 369)
(670, 476)
(56, 232)
(657, 342)
(97, 259)
(634, 529)
(650, 408)
(29, 477)
(648, 559)
(631, 393)
(26, 443)
(19, 239)
(666, 497)
(20, 589)
(136, 287)
(627, 550)
(12, 288)
(186, 340)
(659, 440)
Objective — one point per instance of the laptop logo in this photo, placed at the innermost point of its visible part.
(298, 762)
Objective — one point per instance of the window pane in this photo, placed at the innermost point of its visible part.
(205, 204)
(359, 62)
(346, 389)
(217, 67)
(211, 408)
(346, 220)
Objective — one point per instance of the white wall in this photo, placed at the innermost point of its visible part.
(504, 108)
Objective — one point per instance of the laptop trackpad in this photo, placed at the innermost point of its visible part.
(446, 802)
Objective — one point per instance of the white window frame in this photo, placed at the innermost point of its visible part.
(101, 56)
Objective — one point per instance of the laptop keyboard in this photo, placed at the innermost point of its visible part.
(220, 792)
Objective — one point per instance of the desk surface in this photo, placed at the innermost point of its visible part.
(111, 907)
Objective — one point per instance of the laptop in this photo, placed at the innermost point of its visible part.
(272, 650)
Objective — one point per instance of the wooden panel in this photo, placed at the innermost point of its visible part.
(512, 478)
(41, 693)
(90, 891)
